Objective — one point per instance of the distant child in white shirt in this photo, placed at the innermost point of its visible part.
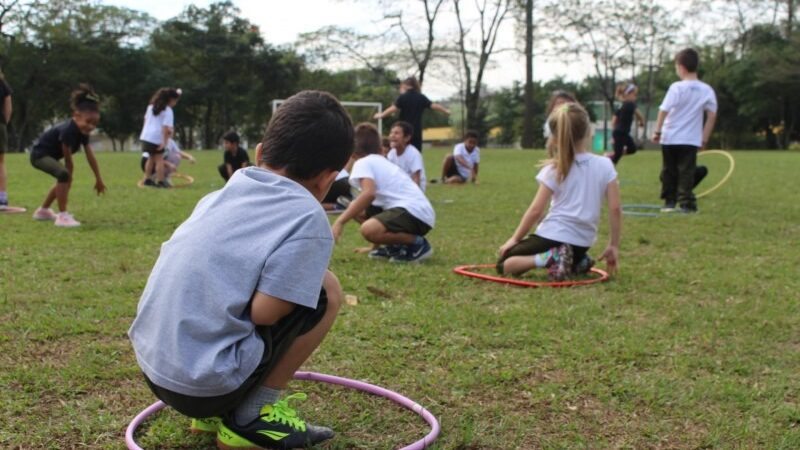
(681, 132)
(398, 213)
(405, 155)
(462, 165)
(574, 183)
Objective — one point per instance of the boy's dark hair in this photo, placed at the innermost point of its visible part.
(231, 136)
(689, 59)
(84, 99)
(367, 139)
(471, 134)
(308, 133)
(161, 98)
(408, 129)
(386, 143)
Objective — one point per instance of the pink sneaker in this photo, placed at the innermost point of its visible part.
(66, 220)
(44, 214)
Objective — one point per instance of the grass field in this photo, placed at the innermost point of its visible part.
(696, 343)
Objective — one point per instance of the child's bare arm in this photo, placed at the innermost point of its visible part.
(268, 310)
(639, 117)
(98, 185)
(440, 108)
(662, 115)
(386, 112)
(531, 217)
(611, 254)
(711, 120)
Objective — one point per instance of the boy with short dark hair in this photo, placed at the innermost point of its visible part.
(240, 295)
(235, 156)
(405, 155)
(398, 213)
(681, 132)
(462, 164)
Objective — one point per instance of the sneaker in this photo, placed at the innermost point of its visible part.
(688, 209)
(585, 265)
(44, 214)
(149, 182)
(65, 220)
(278, 427)
(386, 252)
(163, 184)
(562, 270)
(413, 253)
(668, 207)
(207, 425)
(343, 201)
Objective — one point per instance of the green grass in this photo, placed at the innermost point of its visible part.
(696, 344)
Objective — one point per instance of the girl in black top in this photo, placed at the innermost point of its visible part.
(623, 119)
(62, 141)
(5, 117)
(412, 103)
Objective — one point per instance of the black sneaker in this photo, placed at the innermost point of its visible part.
(668, 207)
(164, 184)
(278, 427)
(149, 182)
(688, 209)
(562, 270)
(585, 265)
(413, 253)
(386, 252)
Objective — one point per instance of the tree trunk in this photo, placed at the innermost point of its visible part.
(208, 132)
(527, 124)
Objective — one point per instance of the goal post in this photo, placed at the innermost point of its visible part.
(373, 106)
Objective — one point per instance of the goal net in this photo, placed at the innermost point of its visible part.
(359, 111)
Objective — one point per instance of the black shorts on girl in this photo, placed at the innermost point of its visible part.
(533, 245)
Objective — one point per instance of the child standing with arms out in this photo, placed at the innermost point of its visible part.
(623, 120)
(574, 182)
(5, 118)
(157, 130)
(462, 165)
(412, 103)
(398, 213)
(240, 296)
(681, 132)
(62, 142)
(405, 155)
(235, 156)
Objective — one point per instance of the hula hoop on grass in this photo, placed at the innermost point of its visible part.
(727, 175)
(187, 181)
(641, 210)
(330, 379)
(12, 209)
(468, 271)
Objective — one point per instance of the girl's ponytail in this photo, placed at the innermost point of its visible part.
(84, 99)
(570, 125)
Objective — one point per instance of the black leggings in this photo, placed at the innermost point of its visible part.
(339, 188)
(533, 245)
(623, 144)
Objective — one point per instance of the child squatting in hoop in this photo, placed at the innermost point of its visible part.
(172, 159)
(62, 141)
(577, 182)
(156, 132)
(240, 295)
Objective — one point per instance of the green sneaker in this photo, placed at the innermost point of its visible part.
(207, 425)
(278, 427)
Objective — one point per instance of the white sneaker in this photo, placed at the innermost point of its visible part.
(66, 220)
(44, 214)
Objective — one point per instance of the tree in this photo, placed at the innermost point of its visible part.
(528, 131)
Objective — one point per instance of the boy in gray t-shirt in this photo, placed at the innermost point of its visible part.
(240, 295)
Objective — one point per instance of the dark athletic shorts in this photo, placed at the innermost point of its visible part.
(533, 245)
(339, 188)
(398, 220)
(277, 340)
(52, 166)
(151, 148)
(452, 171)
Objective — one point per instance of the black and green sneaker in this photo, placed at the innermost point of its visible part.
(278, 427)
(207, 425)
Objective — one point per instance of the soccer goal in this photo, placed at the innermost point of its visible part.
(359, 111)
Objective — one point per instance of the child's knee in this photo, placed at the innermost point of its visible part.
(372, 229)
(333, 290)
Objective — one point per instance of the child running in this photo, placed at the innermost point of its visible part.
(574, 182)
(623, 120)
(61, 142)
(240, 296)
(397, 213)
(235, 156)
(405, 155)
(5, 118)
(462, 165)
(412, 103)
(156, 132)
(681, 132)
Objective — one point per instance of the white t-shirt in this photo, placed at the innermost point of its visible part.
(342, 174)
(393, 189)
(152, 131)
(471, 158)
(577, 201)
(411, 162)
(685, 103)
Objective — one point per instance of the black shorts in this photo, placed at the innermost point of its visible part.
(151, 148)
(277, 340)
(339, 188)
(398, 220)
(452, 171)
(533, 245)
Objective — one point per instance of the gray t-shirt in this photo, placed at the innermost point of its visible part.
(261, 232)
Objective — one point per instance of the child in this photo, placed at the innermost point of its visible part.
(235, 156)
(405, 155)
(577, 182)
(240, 296)
(681, 132)
(622, 121)
(63, 141)
(557, 98)
(340, 194)
(172, 159)
(156, 132)
(412, 103)
(401, 215)
(5, 118)
(462, 165)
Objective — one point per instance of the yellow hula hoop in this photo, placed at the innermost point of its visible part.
(187, 180)
(727, 175)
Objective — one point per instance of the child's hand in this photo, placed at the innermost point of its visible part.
(363, 249)
(610, 256)
(656, 137)
(337, 229)
(99, 187)
(507, 246)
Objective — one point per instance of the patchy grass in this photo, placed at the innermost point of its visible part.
(694, 345)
